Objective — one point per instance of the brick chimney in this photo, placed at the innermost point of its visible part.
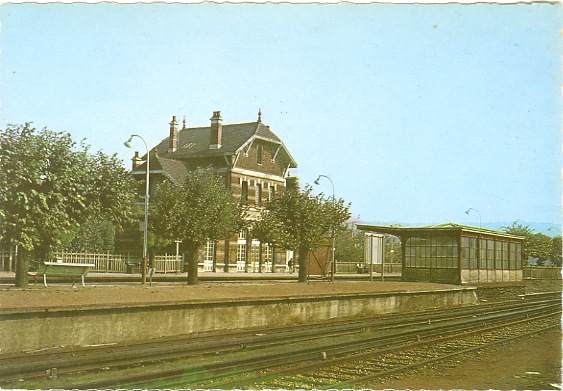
(216, 131)
(136, 160)
(173, 140)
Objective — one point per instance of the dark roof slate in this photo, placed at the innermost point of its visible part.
(194, 143)
(176, 170)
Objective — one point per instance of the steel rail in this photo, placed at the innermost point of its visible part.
(282, 338)
(385, 346)
(209, 376)
(445, 356)
(34, 365)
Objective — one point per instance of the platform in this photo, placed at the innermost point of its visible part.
(46, 318)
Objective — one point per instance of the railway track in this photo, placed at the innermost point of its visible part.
(257, 359)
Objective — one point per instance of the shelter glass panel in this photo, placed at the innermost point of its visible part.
(431, 252)
(504, 256)
(518, 256)
(512, 256)
(469, 252)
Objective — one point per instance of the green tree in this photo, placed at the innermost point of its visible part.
(556, 251)
(350, 246)
(393, 249)
(49, 187)
(536, 245)
(540, 246)
(521, 230)
(200, 209)
(95, 236)
(298, 220)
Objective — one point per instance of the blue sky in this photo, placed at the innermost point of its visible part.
(416, 112)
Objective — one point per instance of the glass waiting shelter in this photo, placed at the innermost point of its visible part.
(456, 254)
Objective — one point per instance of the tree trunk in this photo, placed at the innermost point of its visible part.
(227, 250)
(152, 257)
(192, 263)
(303, 267)
(22, 268)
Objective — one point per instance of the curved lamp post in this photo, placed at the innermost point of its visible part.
(550, 229)
(146, 228)
(469, 210)
(332, 264)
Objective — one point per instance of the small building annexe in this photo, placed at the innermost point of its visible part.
(456, 254)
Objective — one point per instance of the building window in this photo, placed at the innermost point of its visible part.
(268, 252)
(244, 191)
(272, 191)
(258, 188)
(255, 253)
(259, 153)
(209, 250)
(241, 253)
(241, 250)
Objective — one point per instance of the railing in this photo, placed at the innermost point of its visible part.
(103, 262)
(541, 272)
(354, 267)
(168, 263)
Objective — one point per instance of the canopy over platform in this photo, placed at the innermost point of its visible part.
(456, 254)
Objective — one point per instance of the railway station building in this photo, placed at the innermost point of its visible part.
(456, 254)
(254, 163)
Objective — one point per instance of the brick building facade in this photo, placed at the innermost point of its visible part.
(254, 163)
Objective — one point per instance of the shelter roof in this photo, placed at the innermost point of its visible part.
(446, 228)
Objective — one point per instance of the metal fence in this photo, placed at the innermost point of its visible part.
(105, 263)
(354, 267)
(168, 263)
(541, 272)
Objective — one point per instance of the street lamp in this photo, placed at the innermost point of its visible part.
(146, 228)
(469, 210)
(333, 264)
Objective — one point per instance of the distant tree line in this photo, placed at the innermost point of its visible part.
(537, 245)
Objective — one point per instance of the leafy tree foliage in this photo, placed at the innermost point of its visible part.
(536, 245)
(350, 246)
(50, 186)
(200, 209)
(299, 220)
(540, 246)
(94, 236)
(393, 249)
(556, 252)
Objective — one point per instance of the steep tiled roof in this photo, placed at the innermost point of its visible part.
(176, 170)
(193, 143)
